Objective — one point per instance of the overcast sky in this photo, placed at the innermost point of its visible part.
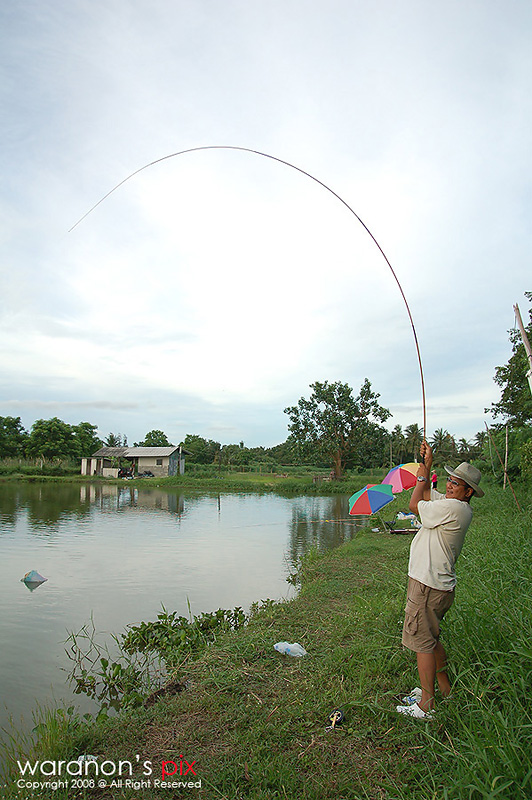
(207, 293)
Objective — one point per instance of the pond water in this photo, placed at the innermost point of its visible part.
(119, 553)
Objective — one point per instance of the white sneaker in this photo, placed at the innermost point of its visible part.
(413, 697)
(414, 711)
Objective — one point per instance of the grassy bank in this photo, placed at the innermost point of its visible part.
(281, 483)
(253, 721)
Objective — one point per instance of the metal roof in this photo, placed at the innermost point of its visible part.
(137, 452)
(159, 452)
(111, 452)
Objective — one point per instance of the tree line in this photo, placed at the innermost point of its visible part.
(51, 439)
(330, 428)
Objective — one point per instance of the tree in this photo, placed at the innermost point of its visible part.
(398, 446)
(154, 438)
(464, 449)
(87, 442)
(115, 440)
(515, 405)
(284, 453)
(235, 454)
(443, 446)
(331, 418)
(413, 437)
(13, 437)
(203, 451)
(371, 447)
(518, 443)
(51, 438)
(526, 460)
(480, 438)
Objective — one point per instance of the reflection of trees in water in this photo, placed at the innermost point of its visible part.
(48, 505)
(315, 521)
(9, 504)
(321, 522)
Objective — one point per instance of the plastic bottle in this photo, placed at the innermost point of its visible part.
(288, 649)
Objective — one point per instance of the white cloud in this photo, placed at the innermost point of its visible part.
(211, 289)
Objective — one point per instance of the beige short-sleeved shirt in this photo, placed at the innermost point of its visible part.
(438, 543)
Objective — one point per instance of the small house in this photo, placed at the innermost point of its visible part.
(114, 462)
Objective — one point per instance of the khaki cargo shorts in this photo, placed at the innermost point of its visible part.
(425, 609)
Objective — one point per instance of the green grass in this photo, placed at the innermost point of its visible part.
(281, 483)
(254, 721)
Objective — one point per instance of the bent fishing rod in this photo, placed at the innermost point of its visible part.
(320, 183)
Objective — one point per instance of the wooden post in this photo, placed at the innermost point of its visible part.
(505, 460)
(502, 465)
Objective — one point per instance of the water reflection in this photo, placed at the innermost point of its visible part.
(114, 498)
(117, 553)
(8, 505)
(47, 506)
(320, 522)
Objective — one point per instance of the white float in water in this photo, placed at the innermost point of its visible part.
(33, 579)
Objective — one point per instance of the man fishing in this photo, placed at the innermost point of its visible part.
(431, 574)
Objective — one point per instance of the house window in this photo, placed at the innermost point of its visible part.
(159, 462)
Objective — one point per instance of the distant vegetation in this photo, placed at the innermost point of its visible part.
(332, 430)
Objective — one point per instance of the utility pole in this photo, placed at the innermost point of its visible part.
(526, 343)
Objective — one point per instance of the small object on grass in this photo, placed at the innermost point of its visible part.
(414, 711)
(413, 697)
(33, 579)
(336, 717)
(288, 649)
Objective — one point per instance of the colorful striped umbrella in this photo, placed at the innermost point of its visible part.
(402, 477)
(370, 499)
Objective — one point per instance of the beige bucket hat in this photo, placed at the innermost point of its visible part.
(469, 474)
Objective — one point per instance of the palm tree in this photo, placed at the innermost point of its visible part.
(478, 445)
(115, 440)
(398, 445)
(443, 446)
(480, 438)
(413, 438)
(464, 449)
